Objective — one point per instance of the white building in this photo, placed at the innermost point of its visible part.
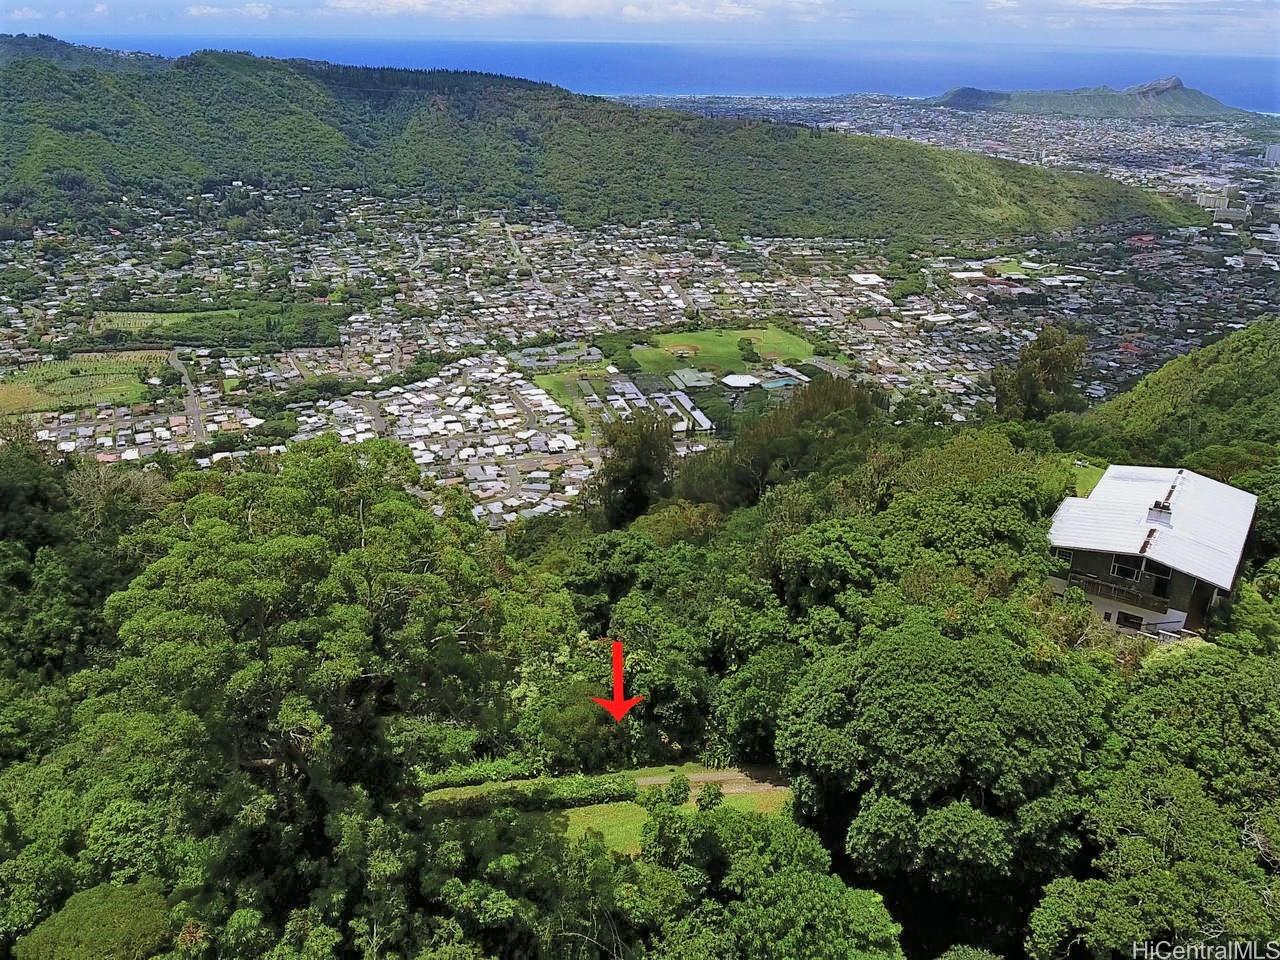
(1153, 547)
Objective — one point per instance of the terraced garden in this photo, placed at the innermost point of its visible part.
(130, 321)
(83, 380)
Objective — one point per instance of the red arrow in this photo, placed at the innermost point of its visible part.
(620, 704)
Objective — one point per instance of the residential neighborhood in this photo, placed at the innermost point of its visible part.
(497, 347)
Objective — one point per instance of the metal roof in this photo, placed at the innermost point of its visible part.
(1201, 533)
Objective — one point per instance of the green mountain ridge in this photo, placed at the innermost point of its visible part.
(23, 46)
(70, 139)
(1168, 97)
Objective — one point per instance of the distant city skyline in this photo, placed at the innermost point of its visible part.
(1216, 27)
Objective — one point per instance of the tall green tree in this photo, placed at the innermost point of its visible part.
(952, 760)
(637, 470)
(1042, 382)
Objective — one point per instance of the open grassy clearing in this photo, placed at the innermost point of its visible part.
(83, 380)
(717, 350)
(137, 321)
(1015, 268)
(620, 823)
(1087, 477)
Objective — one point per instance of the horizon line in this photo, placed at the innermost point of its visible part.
(84, 38)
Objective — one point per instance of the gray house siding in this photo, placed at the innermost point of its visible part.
(1156, 589)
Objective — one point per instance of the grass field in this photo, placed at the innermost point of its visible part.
(137, 321)
(1013, 267)
(717, 350)
(1087, 477)
(620, 823)
(83, 380)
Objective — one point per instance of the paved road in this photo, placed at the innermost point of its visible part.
(521, 259)
(195, 420)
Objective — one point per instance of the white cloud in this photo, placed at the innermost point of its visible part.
(101, 10)
(1181, 8)
(1184, 6)
(648, 11)
(258, 11)
(21, 13)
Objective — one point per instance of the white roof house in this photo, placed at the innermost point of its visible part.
(1174, 516)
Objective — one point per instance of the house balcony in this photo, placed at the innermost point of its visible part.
(1112, 590)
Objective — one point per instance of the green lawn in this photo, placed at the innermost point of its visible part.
(131, 321)
(717, 350)
(83, 380)
(1087, 477)
(620, 823)
(1005, 268)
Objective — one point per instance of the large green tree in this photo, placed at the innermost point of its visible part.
(1042, 382)
(950, 756)
(1188, 821)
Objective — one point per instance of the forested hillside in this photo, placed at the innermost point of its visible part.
(307, 708)
(1226, 393)
(70, 139)
(1216, 410)
(23, 46)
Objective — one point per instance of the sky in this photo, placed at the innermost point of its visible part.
(1218, 27)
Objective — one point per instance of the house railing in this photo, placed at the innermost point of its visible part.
(1115, 591)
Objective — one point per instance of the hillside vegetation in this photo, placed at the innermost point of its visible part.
(1160, 98)
(307, 708)
(23, 46)
(1225, 393)
(1216, 411)
(75, 138)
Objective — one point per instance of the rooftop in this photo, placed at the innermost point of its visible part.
(1174, 516)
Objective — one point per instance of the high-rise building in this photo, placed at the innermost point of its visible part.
(1211, 200)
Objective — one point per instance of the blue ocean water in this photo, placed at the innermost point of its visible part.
(913, 70)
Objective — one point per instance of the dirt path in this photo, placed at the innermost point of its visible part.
(731, 780)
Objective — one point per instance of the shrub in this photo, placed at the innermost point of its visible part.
(103, 923)
(538, 795)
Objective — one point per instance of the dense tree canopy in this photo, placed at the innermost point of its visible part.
(1042, 382)
(305, 708)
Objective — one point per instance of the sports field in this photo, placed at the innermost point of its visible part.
(83, 380)
(1006, 268)
(136, 321)
(717, 350)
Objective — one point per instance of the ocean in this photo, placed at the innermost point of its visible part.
(911, 70)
